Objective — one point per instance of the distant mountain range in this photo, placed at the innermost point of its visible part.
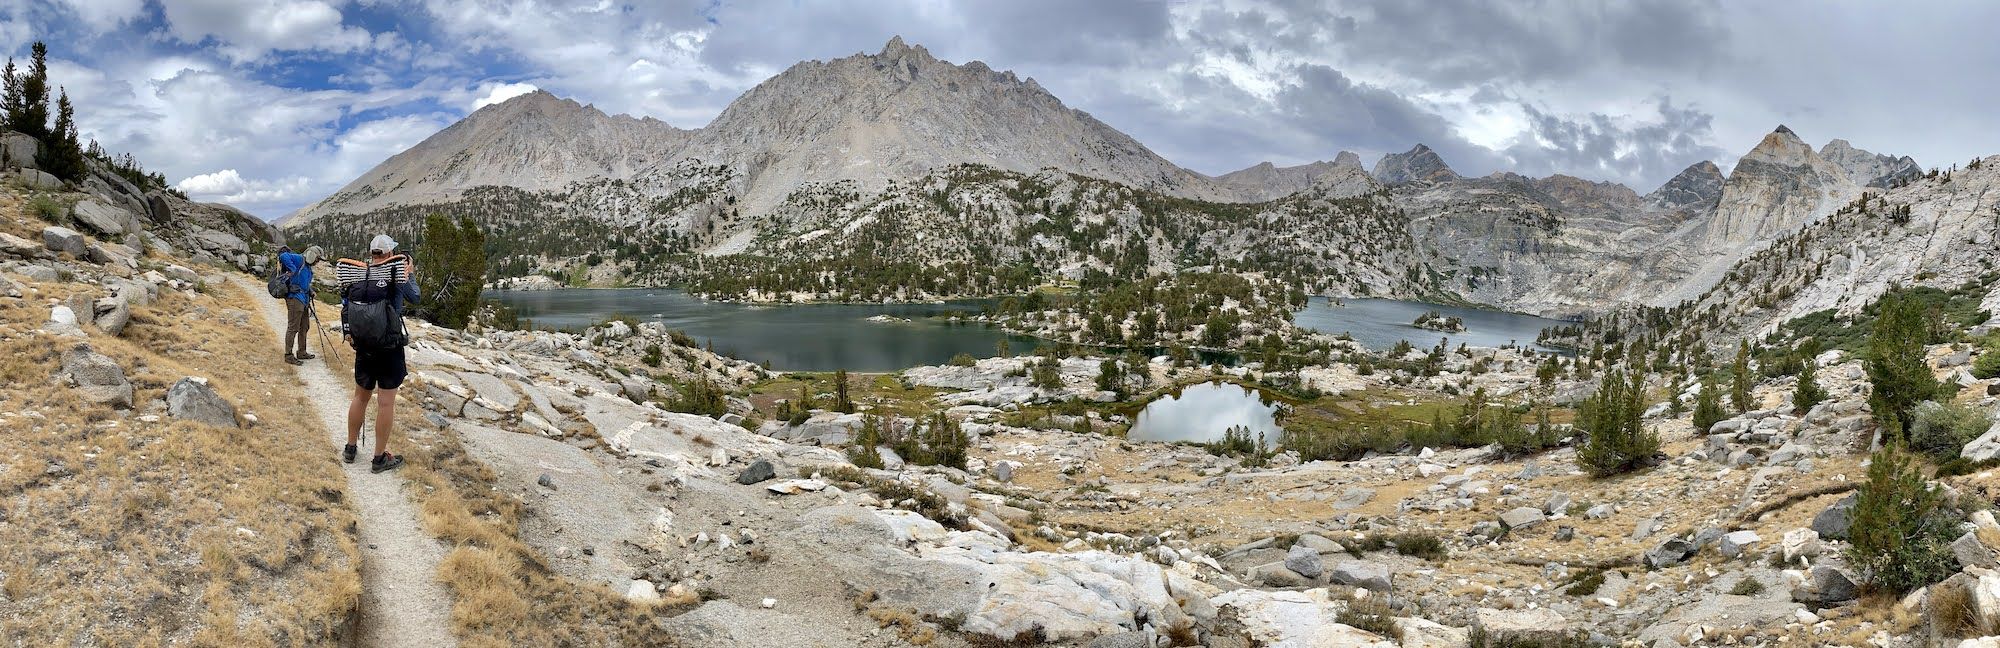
(900, 155)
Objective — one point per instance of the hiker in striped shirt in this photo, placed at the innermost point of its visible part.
(379, 364)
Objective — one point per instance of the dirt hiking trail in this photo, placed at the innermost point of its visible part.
(402, 602)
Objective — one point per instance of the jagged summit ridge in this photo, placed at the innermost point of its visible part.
(901, 112)
(1419, 164)
(1267, 181)
(1870, 169)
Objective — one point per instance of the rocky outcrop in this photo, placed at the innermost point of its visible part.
(1419, 164)
(1695, 189)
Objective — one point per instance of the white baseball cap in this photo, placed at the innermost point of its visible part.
(382, 243)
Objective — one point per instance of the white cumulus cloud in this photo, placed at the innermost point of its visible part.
(503, 91)
(228, 186)
(250, 28)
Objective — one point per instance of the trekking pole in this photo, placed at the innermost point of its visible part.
(313, 310)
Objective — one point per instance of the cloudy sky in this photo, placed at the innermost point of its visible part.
(270, 104)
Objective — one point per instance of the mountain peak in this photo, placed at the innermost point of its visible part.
(1419, 164)
(896, 49)
(1347, 159)
(1781, 146)
(1869, 169)
(1698, 186)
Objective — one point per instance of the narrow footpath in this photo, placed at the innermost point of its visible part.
(402, 602)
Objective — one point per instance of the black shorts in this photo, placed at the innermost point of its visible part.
(383, 369)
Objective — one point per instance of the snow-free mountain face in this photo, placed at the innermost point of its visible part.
(1420, 164)
(535, 141)
(868, 118)
(1266, 181)
(903, 156)
(1870, 169)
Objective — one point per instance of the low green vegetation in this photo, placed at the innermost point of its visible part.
(935, 440)
(1940, 430)
(1987, 365)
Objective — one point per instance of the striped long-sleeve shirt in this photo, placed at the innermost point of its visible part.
(388, 279)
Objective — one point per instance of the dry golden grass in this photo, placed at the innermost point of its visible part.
(506, 594)
(122, 532)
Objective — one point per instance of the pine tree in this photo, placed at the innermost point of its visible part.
(945, 443)
(841, 403)
(1808, 392)
(1708, 405)
(1896, 366)
(12, 102)
(30, 112)
(454, 266)
(1902, 529)
(862, 452)
(60, 154)
(1614, 441)
(1739, 378)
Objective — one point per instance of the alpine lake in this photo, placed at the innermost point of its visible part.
(891, 337)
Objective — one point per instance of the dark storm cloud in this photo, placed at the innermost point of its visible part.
(1601, 146)
(1466, 42)
(1534, 86)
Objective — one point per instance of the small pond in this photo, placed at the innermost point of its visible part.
(1201, 413)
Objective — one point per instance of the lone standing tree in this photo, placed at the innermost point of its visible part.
(454, 267)
(1896, 364)
(1739, 378)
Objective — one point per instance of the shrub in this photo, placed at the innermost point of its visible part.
(964, 360)
(1369, 614)
(700, 396)
(1047, 373)
(1419, 545)
(1749, 586)
(653, 355)
(1987, 365)
(1585, 583)
(1941, 430)
(1902, 530)
(47, 208)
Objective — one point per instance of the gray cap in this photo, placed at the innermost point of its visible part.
(382, 243)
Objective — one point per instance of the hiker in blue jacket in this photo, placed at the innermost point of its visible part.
(297, 319)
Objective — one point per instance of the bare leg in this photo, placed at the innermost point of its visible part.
(357, 410)
(385, 419)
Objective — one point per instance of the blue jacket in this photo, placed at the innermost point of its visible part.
(302, 276)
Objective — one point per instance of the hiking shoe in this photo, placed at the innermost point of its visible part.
(347, 453)
(385, 461)
(292, 360)
(305, 356)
